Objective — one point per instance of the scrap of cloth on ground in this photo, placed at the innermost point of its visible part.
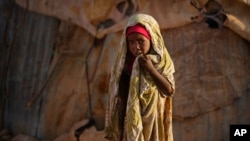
(148, 115)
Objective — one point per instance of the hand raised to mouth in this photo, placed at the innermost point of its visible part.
(145, 62)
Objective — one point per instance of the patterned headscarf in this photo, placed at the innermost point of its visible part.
(139, 84)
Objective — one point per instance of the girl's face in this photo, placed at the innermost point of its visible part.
(138, 44)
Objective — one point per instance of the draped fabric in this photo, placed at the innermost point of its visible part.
(148, 115)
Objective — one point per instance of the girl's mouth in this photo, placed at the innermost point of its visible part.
(138, 53)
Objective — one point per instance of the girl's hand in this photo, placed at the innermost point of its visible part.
(161, 82)
(146, 62)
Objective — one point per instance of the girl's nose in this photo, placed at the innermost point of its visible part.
(136, 45)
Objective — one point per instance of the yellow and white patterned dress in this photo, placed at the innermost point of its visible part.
(148, 115)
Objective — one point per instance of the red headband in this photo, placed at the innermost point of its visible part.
(139, 29)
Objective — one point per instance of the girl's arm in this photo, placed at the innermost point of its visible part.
(161, 82)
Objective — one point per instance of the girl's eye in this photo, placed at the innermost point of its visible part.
(130, 42)
(140, 42)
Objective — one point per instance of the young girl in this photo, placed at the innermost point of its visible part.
(141, 85)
